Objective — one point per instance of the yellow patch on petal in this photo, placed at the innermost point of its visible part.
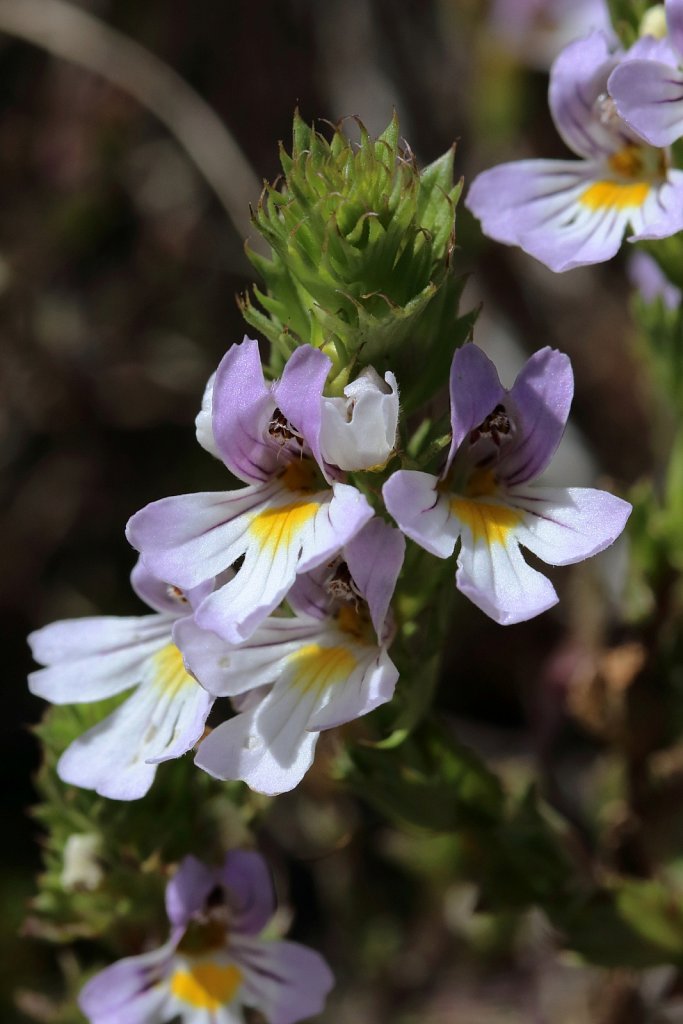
(170, 673)
(279, 526)
(316, 667)
(490, 523)
(207, 986)
(615, 195)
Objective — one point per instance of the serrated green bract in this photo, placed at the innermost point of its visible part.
(361, 258)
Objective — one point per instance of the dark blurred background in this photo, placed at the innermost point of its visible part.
(119, 267)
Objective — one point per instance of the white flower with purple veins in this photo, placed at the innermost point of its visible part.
(326, 665)
(486, 497)
(214, 963)
(649, 93)
(293, 515)
(568, 213)
(91, 659)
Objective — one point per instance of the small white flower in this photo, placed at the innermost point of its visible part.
(359, 430)
(81, 868)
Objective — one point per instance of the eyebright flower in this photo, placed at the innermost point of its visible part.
(91, 659)
(214, 963)
(537, 30)
(486, 496)
(359, 431)
(647, 276)
(648, 93)
(293, 515)
(568, 213)
(294, 677)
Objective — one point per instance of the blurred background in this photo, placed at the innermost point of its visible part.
(121, 253)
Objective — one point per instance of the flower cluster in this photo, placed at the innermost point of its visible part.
(214, 963)
(618, 111)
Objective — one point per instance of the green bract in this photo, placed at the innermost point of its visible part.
(361, 260)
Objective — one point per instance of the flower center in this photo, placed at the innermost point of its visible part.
(207, 985)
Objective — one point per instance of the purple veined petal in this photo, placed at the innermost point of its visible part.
(130, 990)
(204, 421)
(526, 195)
(308, 596)
(540, 400)
(268, 747)
(374, 558)
(501, 584)
(242, 405)
(370, 684)
(578, 81)
(650, 280)
(285, 981)
(674, 22)
(94, 658)
(157, 594)
(187, 891)
(294, 534)
(298, 395)
(589, 232)
(163, 718)
(226, 670)
(246, 875)
(649, 97)
(475, 391)
(662, 213)
(421, 511)
(565, 525)
(191, 538)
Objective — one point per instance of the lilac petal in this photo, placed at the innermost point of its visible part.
(129, 990)
(252, 896)
(298, 394)
(369, 685)
(187, 891)
(94, 658)
(579, 237)
(308, 595)
(496, 578)
(374, 558)
(674, 22)
(285, 981)
(422, 513)
(475, 391)
(117, 758)
(235, 610)
(566, 525)
(268, 747)
(226, 670)
(649, 96)
(662, 213)
(242, 405)
(155, 593)
(540, 399)
(646, 275)
(191, 538)
(578, 79)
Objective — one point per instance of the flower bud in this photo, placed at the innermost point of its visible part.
(359, 430)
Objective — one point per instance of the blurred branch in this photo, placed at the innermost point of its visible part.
(68, 32)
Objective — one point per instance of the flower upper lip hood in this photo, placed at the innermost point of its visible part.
(486, 496)
(569, 213)
(293, 515)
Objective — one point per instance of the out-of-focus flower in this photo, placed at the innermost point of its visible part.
(326, 665)
(81, 866)
(486, 496)
(214, 963)
(91, 659)
(536, 31)
(293, 515)
(569, 213)
(647, 276)
(648, 92)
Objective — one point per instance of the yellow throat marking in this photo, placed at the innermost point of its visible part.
(170, 673)
(279, 526)
(615, 194)
(486, 521)
(207, 986)
(317, 667)
(638, 168)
